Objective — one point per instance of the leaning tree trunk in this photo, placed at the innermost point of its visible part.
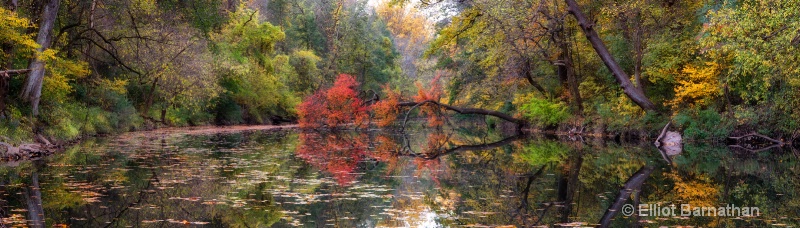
(635, 93)
(460, 110)
(32, 90)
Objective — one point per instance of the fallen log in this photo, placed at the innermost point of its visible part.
(461, 110)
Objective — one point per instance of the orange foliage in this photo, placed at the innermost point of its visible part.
(387, 109)
(333, 107)
(433, 93)
(386, 151)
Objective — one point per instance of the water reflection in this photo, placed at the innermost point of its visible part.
(385, 178)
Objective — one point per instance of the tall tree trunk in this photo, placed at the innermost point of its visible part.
(150, 96)
(572, 80)
(3, 92)
(634, 93)
(164, 114)
(32, 90)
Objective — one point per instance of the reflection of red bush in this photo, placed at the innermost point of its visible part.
(340, 153)
(337, 154)
(333, 107)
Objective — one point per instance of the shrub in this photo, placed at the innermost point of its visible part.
(703, 124)
(546, 112)
(333, 107)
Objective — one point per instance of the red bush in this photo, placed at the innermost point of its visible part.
(335, 106)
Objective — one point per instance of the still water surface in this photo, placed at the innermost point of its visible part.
(385, 178)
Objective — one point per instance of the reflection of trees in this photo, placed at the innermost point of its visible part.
(144, 182)
(252, 179)
(33, 196)
(633, 185)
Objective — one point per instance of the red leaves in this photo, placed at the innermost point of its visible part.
(433, 93)
(340, 105)
(387, 109)
(311, 110)
(335, 106)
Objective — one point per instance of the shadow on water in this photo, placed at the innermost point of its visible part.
(466, 176)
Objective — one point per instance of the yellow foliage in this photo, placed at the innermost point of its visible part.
(698, 191)
(60, 72)
(406, 23)
(697, 85)
(116, 85)
(623, 106)
(12, 30)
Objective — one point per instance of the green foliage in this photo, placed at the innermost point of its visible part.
(186, 116)
(544, 152)
(753, 37)
(248, 69)
(303, 33)
(71, 120)
(304, 76)
(702, 124)
(545, 112)
(15, 129)
(367, 51)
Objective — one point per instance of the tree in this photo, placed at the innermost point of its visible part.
(757, 42)
(634, 93)
(411, 32)
(15, 42)
(32, 89)
(245, 49)
(341, 105)
(335, 106)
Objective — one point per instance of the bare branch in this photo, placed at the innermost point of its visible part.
(7, 73)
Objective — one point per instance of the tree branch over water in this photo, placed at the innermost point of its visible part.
(462, 110)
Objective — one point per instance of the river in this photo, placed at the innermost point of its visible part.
(456, 177)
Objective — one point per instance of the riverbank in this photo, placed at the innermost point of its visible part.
(41, 147)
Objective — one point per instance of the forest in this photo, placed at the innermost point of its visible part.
(398, 113)
(94, 67)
